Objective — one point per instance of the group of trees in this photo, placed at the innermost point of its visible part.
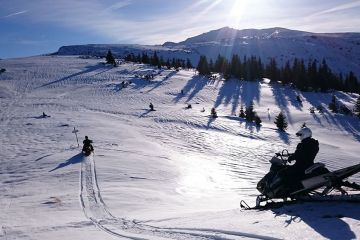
(310, 76)
(249, 114)
(334, 106)
(155, 60)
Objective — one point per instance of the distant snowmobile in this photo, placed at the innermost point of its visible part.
(87, 147)
(316, 184)
(213, 113)
(87, 150)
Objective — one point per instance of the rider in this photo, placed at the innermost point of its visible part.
(213, 113)
(304, 156)
(87, 142)
(151, 106)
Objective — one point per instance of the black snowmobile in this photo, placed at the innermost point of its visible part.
(87, 149)
(316, 184)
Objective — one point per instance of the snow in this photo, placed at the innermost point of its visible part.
(172, 173)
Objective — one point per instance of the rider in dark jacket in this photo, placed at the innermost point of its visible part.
(87, 142)
(304, 156)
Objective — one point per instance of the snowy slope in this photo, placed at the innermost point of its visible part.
(341, 50)
(169, 174)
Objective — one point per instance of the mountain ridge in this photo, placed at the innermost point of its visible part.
(340, 50)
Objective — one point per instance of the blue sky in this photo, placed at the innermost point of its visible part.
(31, 27)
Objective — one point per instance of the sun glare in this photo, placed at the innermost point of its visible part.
(237, 10)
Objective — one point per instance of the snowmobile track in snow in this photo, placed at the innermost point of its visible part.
(96, 211)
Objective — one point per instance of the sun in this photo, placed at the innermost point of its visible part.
(237, 10)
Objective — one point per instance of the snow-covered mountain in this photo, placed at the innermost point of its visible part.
(341, 50)
(173, 173)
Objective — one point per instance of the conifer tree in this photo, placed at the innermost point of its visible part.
(280, 121)
(235, 66)
(110, 58)
(357, 107)
(333, 105)
(168, 64)
(155, 60)
(257, 120)
(203, 66)
(249, 112)
(145, 58)
(242, 114)
(188, 63)
(138, 58)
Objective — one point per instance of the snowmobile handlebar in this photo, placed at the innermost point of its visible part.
(283, 154)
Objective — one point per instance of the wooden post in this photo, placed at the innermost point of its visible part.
(76, 131)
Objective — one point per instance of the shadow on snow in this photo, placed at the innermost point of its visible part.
(326, 220)
(192, 87)
(87, 70)
(73, 160)
(234, 91)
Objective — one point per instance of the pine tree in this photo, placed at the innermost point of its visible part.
(357, 107)
(257, 120)
(155, 60)
(280, 121)
(203, 66)
(242, 114)
(235, 66)
(128, 58)
(145, 58)
(110, 58)
(188, 63)
(332, 105)
(249, 112)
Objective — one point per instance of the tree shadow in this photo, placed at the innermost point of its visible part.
(284, 136)
(317, 119)
(249, 126)
(41, 117)
(250, 91)
(192, 87)
(316, 100)
(346, 123)
(211, 119)
(325, 219)
(159, 83)
(279, 93)
(139, 83)
(88, 69)
(235, 91)
(73, 160)
(229, 92)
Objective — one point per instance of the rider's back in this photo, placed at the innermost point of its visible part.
(305, 153)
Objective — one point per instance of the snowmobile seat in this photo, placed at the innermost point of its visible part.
(314, 167)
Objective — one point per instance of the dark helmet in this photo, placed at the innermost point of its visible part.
(86, 137)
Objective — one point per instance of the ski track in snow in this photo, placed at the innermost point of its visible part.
(97, 212)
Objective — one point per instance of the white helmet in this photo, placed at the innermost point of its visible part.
(303, 133)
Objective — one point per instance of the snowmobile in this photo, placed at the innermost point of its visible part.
(316, 184)
(87, 149)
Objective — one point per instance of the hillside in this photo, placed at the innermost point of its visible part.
(341, 50)
(173, 173)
